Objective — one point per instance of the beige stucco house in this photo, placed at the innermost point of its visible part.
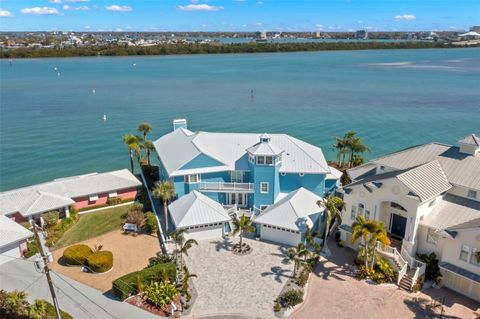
(428, 197)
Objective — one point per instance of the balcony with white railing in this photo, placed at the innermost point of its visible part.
(226, 187)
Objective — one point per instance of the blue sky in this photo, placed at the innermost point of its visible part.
(238, 15)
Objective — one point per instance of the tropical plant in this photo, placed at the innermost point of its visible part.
(145, 128)
(177, 236)
(386, 268)
(242, 225)
(136, 217)
(432, 270)
(14, 305)
(291, 297)
(51, 218)
(341, 148)
(354, 145)
(165, 191)
(185, 247)
(149, 147)
(161, 294)
(295, 254)
(186, 277)
(160, 259)
(151, 222)
(332, 205)
(133, 143)
(310, 234)
(371, 231)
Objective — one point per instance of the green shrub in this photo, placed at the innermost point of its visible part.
(291, 297)
(160, 259)
(14, 305)
(114, 200)
(101, 261)
(136, 207)
(151, 223)
(160, 294)
(385, 267)
(77, 254)
(48, 310)
(432, 271)
(418, 285)
(51, 218)
(32, 247)
(126, 286)
(277, 307)
(303, 277)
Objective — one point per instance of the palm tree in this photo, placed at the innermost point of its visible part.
(332, 205)
(177, 236)
(165, 191)
(340, 146)
(294, 254)
(355, 146)
(145, 128)
(309, 234)
(241, 225)
(361, 229)
(133, 144)
(378, 233)
(184, 247)
(148, 146)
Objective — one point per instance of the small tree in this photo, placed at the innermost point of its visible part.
(242, 225)
(165, 191)
(145, 128)
(51, 218)
(294, 254)
(151, 222)
(136, 217)
(332, 205)
(184, 247)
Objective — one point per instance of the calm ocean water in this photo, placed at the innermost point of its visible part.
(51, 125)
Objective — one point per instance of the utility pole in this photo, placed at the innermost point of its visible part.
(46, 270)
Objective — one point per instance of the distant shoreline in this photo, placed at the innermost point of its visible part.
(216, 48)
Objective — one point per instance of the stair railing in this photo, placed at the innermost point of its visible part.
(403, 265)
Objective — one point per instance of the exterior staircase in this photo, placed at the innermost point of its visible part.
(406, 282)
(396, 243)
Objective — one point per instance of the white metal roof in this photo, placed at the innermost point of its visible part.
(229, 149)
(471, 139)
(426, 181)
(11, 232)
(334, 173)
(293, 211)
(451, 212)
(59, 193)
(196, 209)
(460, 169)
(264, 148)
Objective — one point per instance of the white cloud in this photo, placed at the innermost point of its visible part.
(118, 29)
(39, 10)
(404, 17)
(5, 14)
(86, 27)
(80, 8)
(319, 26)
(260, 2)
(259, 24)
(55, 1)
(117, 8)
(77, 1)
(199, 7)
(128, 27)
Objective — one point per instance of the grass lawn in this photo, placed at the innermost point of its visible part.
(93, 225)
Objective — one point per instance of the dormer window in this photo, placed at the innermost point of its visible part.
(268, 160)
(260, 160)
(264, 138)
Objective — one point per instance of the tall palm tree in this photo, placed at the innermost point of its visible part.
(340, 146)
(133, 144)
(295, 254)
(165, 191)
(145, 128)
(309, 234)
(241, 225)
(332, 205)
(177, 236)
(149, 147)
(355, 146)
(361, 228)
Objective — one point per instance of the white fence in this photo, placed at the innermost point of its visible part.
(226, 187)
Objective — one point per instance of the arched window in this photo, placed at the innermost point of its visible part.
(397, 206)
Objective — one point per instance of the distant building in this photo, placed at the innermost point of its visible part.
(317, 34)
(475, 28)
(261, 35)
(361, 34)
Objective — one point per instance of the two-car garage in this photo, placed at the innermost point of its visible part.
(280, 235)
(461, 281)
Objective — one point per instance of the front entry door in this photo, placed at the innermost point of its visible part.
(399, 224)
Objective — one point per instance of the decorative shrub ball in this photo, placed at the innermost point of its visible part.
(101, 261)
(77, 254)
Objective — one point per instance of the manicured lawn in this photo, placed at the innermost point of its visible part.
(93, 225)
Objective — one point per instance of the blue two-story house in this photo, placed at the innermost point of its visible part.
(244, 171)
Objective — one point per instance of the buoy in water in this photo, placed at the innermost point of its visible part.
(104, 117)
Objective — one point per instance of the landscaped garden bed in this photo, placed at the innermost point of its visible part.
(95, 261)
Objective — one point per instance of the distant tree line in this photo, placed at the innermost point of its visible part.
(213, 48)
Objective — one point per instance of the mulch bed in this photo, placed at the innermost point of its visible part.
(139, 302)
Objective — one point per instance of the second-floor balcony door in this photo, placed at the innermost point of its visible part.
(237, 198)
(236, 176)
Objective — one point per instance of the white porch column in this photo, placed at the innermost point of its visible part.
(67, 212)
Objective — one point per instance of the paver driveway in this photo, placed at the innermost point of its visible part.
(230, 284)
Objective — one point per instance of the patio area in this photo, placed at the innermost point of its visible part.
(130, 253)
(231, 284)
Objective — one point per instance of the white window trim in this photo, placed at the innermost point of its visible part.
(432, 237)
(93, 197)
(472, 259)
(187, 179)
(261, 188)
(112, 194)
(469, 251)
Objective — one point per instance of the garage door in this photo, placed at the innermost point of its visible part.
(279, 236)
(9, 252)
(202, 233)
(461, 285)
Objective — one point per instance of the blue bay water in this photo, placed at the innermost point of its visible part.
(51, 125)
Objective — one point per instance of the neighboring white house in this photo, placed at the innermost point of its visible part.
(13, 239)
(285, 221)
(200, 216)
(428, 196)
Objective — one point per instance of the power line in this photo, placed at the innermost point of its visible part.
(79, 305)
(106, 311)
(33, 282)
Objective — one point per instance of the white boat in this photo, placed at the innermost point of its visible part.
(104, 117)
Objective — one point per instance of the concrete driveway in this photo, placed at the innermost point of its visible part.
(334, 293)
(241, 285)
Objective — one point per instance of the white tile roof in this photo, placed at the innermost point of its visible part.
(60, 192)
(181, 146)
(196, 209)
(460, 169)
(452, 212)
(11, 232)
(293, 211)
(426, 181)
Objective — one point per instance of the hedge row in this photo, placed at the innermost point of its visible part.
(77, 254)
(127, 285)
(101, 261)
